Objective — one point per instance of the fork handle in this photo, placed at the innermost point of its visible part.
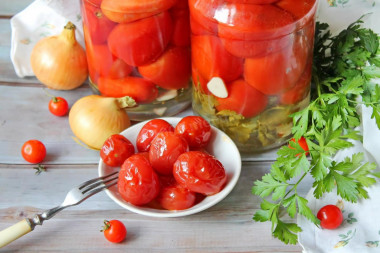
(14, 232)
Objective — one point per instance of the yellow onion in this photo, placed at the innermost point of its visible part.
(59, 61)
(94, 118)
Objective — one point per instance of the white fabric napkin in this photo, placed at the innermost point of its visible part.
(40, 19)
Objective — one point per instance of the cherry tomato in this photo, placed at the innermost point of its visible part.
(138, 6)
(211, 59)
(172, 70)
(149, 131)
(195, 130)
(138, 183)
(142, 41)
(252, 1)
(200, 172)
(176, 197)
(243, 99)
(104, 64)
(199, 82)
(33, 151)
(201, 17)
(330, 216)
(303, 144)
(298, 8)
(164, 151)
(276, 72)
(58, 106)
(141, 90)
(98, 26)
(116, 149)
(257, 22)
(114, 231)
(181, 27)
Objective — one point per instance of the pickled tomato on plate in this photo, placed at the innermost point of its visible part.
(200, 172)
(138, 183)
(173, 196)
(142, 41)
(149, 131)
(243, 99)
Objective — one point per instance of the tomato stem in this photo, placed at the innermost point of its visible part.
(106, 226)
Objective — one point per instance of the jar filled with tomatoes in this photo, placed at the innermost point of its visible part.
(251, 66)
(140, 49)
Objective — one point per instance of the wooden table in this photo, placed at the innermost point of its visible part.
(226, 227)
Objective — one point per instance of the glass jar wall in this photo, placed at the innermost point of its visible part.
(251, 66)
(140, 49)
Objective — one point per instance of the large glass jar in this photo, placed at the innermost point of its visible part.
(251, 66)
(140, 49)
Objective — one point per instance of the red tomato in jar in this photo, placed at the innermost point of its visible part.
(124, 17)
(58, 106)
(200, 172)
(202, 14)
(277, 72)
(171, 70)
(211, 59)
(142, 41)
(138, 183)
(164, 151)
(199, 82)
(104, 64)
(254, 48)
(33, 151)
(116, 149)
(331, 217)
(138, 6)
(181, 27)
(173, 196)
(97, 24)
(299, 9)
(195, 130)
(243, 99)
(149, 131)
(300, 91)
(256, 22)
(252, 1)
(141, 90)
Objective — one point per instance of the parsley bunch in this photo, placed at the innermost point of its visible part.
(343, 71)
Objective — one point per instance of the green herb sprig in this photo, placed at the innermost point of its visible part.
(343, 71)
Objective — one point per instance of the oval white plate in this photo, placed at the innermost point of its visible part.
(221, 146)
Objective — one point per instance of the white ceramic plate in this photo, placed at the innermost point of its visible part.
(221, 146)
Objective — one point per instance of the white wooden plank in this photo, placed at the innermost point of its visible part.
(11, 7)
(225, 227)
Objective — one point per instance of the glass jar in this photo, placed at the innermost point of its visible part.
(251, 66)
(140, 49)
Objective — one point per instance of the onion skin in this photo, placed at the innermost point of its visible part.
(59, 62)
(94, 118)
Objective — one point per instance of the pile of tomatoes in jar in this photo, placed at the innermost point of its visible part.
(171, 169)
(138, 48)
(251, 66)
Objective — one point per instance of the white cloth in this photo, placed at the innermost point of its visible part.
(360, 231)
(40, 19)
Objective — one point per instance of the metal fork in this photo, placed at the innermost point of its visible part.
(74, 197)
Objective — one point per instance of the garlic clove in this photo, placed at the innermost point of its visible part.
(167, 95)
(217, 87)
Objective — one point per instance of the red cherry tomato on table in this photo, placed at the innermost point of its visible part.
(303, 144)
(58, 106)
(164, 151)
(173, 196)
(116, 149)
(195, 130)
(114, 231)
(149, 131)
(330, 216)
(200, 172)
(33, 151)
(138, 183)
